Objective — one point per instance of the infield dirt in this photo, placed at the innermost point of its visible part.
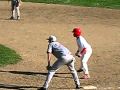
(101, 28)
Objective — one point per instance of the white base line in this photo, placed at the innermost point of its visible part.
(89, 87)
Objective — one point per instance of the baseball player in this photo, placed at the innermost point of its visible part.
(84, 51)
(15, 8)
(64, 57)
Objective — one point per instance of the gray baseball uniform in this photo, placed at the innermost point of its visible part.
(64, 57)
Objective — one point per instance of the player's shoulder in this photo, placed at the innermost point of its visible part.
(53, 43)
(82, 38)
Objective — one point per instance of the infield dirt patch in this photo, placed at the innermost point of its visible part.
(101, 28)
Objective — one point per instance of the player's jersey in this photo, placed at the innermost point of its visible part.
(15, 1)
(82, 43)
(57, 49)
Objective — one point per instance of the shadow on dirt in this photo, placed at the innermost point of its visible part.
(23, 87)
(29, 73)
(24, 72)
(36, 73)
(8, 19)
(16, 87)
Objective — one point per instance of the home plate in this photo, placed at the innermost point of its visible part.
(89, 87)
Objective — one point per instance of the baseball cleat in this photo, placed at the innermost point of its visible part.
(12, 18)
(18, 17)
(77, 86)
(42, 88)
(86, 76)
(80, 70)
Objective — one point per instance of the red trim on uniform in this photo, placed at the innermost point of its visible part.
(83, 51)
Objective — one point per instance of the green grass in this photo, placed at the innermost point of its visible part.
(8, 56)
(115, 4)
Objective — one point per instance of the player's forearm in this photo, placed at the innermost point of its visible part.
(49, 58)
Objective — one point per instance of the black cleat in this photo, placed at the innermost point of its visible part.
(12, 18)
(77, 86)
(18, 17)
(80, 70)
(42, 88)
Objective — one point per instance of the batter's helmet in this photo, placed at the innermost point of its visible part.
(77, 32)
(52, 38)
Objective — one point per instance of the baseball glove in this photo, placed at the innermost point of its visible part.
(48, 67)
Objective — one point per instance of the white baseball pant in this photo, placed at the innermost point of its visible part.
(84, 60)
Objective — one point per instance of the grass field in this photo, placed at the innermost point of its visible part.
(89, 3)
(8, 56)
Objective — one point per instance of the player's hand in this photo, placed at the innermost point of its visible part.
(78, 54)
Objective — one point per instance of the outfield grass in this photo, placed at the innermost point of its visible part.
(8, 56)
(115, 4)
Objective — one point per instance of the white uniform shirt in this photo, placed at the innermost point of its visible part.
(57, 49)
(82, 43)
